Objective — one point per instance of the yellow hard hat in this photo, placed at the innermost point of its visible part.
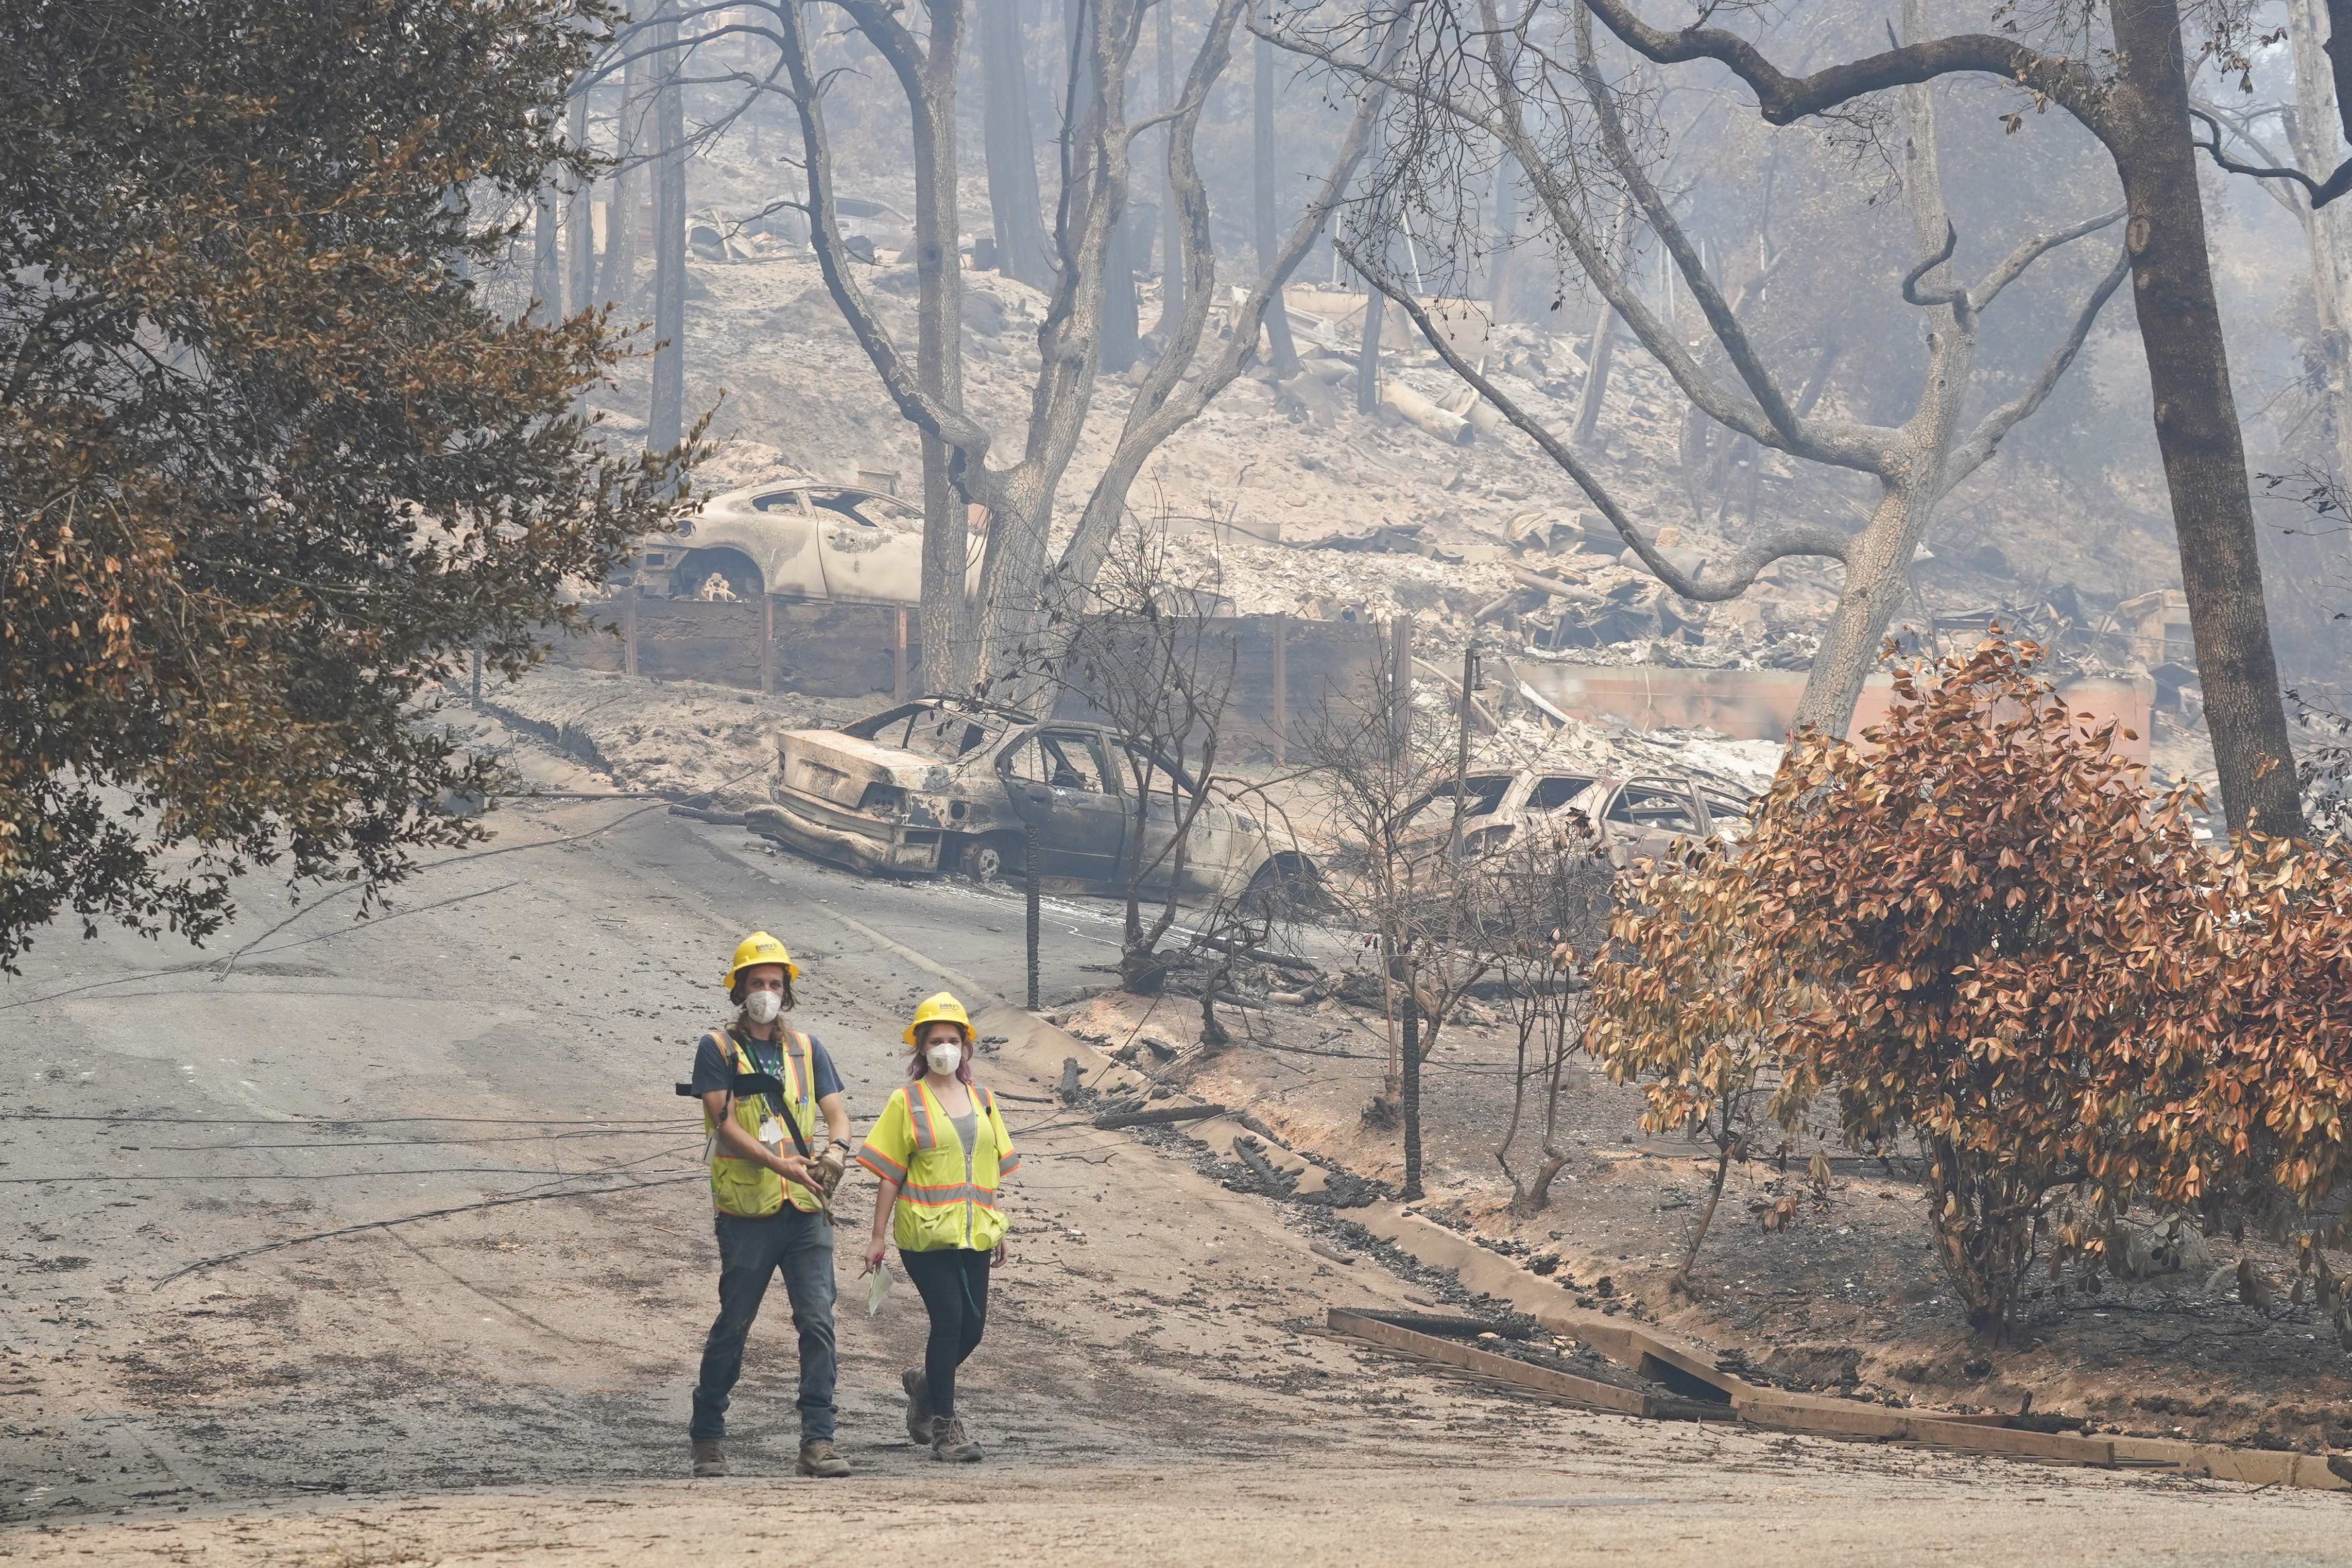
(935, 1008)
(760, 948)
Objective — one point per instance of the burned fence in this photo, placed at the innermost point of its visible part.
(1282, 665)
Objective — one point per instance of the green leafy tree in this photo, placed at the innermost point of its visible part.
(266, 464)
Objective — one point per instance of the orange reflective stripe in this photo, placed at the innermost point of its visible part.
(918, 1098)
(881, 1164)
(962, 1192)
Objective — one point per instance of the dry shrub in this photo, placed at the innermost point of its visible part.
(1981, 929)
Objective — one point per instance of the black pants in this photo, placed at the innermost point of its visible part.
(954, 1286)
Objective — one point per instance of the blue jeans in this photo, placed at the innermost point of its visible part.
(749, 1251)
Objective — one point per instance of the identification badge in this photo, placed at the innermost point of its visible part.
(772, 1133)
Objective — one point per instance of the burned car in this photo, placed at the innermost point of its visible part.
(943, 786)
(795, 538)
(1630, 817)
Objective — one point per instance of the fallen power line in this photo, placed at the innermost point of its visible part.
(369, 1121)
(203, 1263)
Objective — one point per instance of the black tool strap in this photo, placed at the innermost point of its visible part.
(770, 1088)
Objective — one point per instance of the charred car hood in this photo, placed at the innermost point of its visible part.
(837, 768)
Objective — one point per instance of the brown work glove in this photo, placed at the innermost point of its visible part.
(828, 1167)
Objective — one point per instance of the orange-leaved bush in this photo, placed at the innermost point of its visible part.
(1679, 1007)
(1978, 928)
(2263, 1125)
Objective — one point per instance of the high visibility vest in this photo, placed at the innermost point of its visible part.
(742, 1187)
(914, 1144)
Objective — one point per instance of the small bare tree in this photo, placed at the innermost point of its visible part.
(1151, 660)
(1550, 914)
(1390, 780)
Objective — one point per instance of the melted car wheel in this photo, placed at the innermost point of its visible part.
(989, 858)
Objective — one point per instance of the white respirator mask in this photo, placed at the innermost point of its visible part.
(761, 1007)
(943, 1057)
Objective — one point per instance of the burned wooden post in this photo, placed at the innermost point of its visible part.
(1029, 837)
(1401, 680)
(1281, 686)
(767, 644)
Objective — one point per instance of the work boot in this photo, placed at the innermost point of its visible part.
(710, 1460)
(818, 1459)
(917, 1384)
(949, 1444)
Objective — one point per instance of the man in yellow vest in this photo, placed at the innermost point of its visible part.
(762, 1087)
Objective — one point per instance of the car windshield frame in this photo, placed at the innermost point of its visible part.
(867, 508)
(1478, 798)
(1583, 782)
(938, 740)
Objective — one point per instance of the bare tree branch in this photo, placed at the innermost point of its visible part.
(1761, 385)
(1739, 571)
(1958, 299)
(936, 417)
(1973, 450)
(2031, 251)
(2319, 192)
(1784, 99)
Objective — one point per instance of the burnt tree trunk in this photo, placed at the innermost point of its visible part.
(1409, 1096)
(579, 226)
(1278, 314)
(1598, 348)
(1680, 1283)
(945, 616)
(1122, 317)
(667, 421)
(620, 275)
(2197, 419)
(1020, 249)
(546, 259)
(1506, 231)
(1119, 329)
(1171, 220)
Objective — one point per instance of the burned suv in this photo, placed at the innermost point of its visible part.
(943, 785)
(1630, 817)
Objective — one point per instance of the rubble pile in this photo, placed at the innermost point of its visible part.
(681, 738)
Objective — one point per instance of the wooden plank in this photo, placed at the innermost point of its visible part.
(1584, 1391)
(1901, 1426)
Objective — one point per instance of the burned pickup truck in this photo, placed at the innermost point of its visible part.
(944, 786)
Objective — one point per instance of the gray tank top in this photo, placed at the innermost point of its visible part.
(967, 1127)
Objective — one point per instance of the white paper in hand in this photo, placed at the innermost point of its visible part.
(878, 1289)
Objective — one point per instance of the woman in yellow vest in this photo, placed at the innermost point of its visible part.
(939, 1149)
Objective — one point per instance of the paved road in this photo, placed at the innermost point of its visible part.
(1152, 1389)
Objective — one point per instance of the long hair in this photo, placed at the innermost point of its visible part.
(917, 1067)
